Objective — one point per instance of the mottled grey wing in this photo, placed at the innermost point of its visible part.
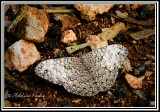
(70, 73)
(104, 64)
(87, 75)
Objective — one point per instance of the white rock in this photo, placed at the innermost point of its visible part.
(20, 55)
(68, 37)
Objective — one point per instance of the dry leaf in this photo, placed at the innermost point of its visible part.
(142, 34)
(140, 93)
(42, 104)
(76, 100)
(123, 70)
(127, 65)
(68, 21)
(148, 62)
(120, 14)
(148, 73)
(7, 103)
(133, 81)
(139, 22)
(16, 104)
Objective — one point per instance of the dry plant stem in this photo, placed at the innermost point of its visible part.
(59, 11)
(112, 31)
(11, 28)
(139, 22)
(107, 35)
(72, 49)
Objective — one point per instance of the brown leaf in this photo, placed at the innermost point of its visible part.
(7, 103)
(42, 104)
(139, 22)
(142, 34)
(76, 100)
(127, 65)
(133, 81)
(68, 21)
(148, 73)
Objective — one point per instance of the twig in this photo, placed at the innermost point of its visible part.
(107, 35)
(139, 22)
(72, 49)
(59, 11)
(112, 31)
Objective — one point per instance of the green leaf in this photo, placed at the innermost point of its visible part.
(74, 44)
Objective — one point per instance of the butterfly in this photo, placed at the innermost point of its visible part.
(85, 75)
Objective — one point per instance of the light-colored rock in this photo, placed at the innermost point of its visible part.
(133, 81)
(20, 55)
(68, 37)
(89, 11)
(31, 24)
(96, 42)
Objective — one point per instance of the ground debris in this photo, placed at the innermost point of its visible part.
(142, 34)
(68, 37)
(89, 11)
(151, 56)
(139, 22)
(100, 40)
(30, 24)
(148, 73)
(68, 21)
(76, 100)
(127, 65)
(16, 83)
(42, 104)
(7, 103)
(133, 81)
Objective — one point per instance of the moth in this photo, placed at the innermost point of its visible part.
(86, 75)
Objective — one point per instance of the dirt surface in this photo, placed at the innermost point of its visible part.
(42, 93)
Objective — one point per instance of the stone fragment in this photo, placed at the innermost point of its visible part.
(30, 24)
(89, 11)
(96, 42)
(20, 55)
(68, 37)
